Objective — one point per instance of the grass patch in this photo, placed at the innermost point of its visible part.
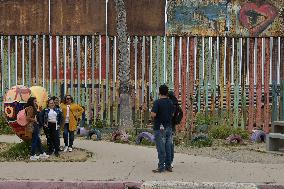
(17, 152)
(21, 152)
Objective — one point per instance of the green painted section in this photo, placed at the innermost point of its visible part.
(236, 84)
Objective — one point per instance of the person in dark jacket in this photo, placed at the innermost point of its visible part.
(162, 113)
(52, 119)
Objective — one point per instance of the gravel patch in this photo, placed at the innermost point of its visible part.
(247, 153)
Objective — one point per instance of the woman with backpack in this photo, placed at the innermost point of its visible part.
(52, 119)
(32, 117)
(71, 113)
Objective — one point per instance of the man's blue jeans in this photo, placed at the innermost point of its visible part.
(164, 140)
(65, 135)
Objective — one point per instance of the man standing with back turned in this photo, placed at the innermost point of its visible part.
(162, 113)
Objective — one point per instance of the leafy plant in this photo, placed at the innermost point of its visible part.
(201, 141)
(99, 123)
(202, 119)
(4, 126)
(222, 132)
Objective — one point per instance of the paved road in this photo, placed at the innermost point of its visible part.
(117, 162)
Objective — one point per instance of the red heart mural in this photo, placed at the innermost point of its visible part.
(251, 11)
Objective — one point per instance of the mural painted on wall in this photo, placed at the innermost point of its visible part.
(234, 18)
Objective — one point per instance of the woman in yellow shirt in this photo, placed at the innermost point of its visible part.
(71, 113)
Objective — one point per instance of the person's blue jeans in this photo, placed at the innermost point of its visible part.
(173, 152)
(164, 140)
(68, 135)
(36, 143)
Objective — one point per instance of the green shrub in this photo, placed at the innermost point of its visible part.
(146, 142)
(243, 133)
(201, 141)
(222, 132)
(202, 119)
(18, 151)
(99, 123)
(4, 126)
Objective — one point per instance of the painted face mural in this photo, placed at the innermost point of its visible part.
(14, 101)
(41, 96)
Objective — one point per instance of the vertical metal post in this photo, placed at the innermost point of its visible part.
(158, 66)
(195, 57)
(78, 69)
(72, 64)
(16, 60)
(247, 63)
(143, 70)
(43, 61)
(279, 61)
(2, 75)
(135, 64)
(217, 60)
(232, 61)
(271, 55)
(64, 62)
(165, 59)
(30, 61)
(93, 68)
(23, 60)
(225, 59)
(50, 66)
(151, 65)
(57, 66)
(9, 62)
(85, 60)
(100, 59)
(173, 60)
(37, 60)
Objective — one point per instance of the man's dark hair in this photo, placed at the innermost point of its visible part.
(163, 90)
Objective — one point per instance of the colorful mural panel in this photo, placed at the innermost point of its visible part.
(249, 18)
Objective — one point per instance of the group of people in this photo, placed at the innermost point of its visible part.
(66, 115)
(164, 113)
(52, 118)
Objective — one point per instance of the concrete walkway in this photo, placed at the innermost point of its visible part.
(122, 162)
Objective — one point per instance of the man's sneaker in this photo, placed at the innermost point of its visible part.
(70, 149)
(34, 158)
(65, 148)
(61, 148)
(158, 170)
(169, 169)
(43, 156)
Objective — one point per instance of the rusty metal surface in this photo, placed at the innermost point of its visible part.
(246, 18)
(25, 17)
(78, 17)
(144, 17)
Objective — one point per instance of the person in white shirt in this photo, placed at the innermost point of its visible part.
(53, 118)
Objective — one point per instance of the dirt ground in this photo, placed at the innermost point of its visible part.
(247, 153)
